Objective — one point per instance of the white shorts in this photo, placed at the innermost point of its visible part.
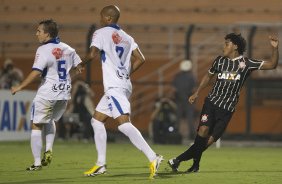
(45, 111)
(115, 102)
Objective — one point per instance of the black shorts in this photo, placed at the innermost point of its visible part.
(215, 118)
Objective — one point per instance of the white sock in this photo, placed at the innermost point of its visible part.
(50, 132)
(36, 146)
(100, 138)
(137, 139)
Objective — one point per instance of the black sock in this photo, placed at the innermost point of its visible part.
(200, 147)
(187, 155)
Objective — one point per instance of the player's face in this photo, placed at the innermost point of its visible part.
(41, 35)
(229, 48)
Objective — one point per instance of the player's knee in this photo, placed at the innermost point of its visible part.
(203, 131)
(100, 116)
(210, 141)
(123, 119)
(36, 126)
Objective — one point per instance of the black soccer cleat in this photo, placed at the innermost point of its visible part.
(34, 168)
(194, 168)
(173, 164)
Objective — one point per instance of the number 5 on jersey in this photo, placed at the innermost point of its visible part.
(62, 72)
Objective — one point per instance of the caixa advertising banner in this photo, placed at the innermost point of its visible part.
(15, 115)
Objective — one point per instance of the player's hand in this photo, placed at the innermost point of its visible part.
(79, 69)
(15, 89)
(274, 41)
(192, 98)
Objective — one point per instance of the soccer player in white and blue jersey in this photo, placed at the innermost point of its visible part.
(53, 62)
(116, 48)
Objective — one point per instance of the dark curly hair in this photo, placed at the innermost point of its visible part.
(238, 40)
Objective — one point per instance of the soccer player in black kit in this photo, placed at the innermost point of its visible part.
(231, 70)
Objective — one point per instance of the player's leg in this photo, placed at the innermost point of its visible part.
(199, 146)
(39, 112)
(221, 120)
(49, 132)
(121, 110)
(100, 116)
(100, 136)
(195, 151)
(58, 108)
(140, 143)
(36, 146)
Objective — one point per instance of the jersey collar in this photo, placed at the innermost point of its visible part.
(236, 58)
(53, 40)
(114, 26)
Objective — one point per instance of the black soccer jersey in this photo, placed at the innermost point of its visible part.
(231, 75)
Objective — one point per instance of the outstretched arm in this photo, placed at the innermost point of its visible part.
(272, 64)
(204, 83)
(138, 60)
(33, 75)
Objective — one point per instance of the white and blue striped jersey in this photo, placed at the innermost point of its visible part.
(55, 60)
(116, 47)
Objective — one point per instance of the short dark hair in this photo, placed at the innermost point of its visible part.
(112, 11)
(238, 40)
(51, 27)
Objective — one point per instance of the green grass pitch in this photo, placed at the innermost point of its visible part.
(127, 165)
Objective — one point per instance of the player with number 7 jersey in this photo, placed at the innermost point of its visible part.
(120, 57)
(116, 47)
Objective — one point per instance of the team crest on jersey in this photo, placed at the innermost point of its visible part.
(116, 38)
(242, 65)
(204, 118)
(57, 52)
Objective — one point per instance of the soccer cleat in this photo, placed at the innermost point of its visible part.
(34, 168)
(194, 168)
(96, 170)
(47, 158)
(154, 166)
(173, 164)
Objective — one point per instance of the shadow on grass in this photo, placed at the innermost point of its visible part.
(130, 176)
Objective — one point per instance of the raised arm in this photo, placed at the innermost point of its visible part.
(272, 64)
(137, 60)
(204, 83)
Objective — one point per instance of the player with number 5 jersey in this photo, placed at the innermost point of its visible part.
(54, 61)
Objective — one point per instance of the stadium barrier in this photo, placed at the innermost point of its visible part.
(15, 115)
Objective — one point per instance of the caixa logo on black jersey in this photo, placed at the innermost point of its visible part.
(60, 87)
(229, 76)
